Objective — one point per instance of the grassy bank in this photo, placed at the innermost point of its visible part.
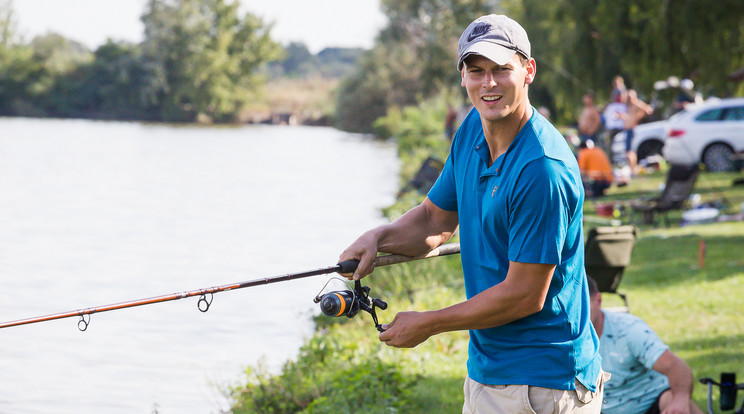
(695, 307)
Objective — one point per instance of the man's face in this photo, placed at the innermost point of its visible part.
(497, 91)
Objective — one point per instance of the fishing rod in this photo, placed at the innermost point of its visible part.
(332, 304)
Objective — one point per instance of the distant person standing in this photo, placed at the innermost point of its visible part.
(614, 118)
(618, 89)
(686, 95)
(637, 110)
(590, 119)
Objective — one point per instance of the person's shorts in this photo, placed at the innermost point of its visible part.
(654, 409)
(629, 134)
(486, 399)
(586, 137)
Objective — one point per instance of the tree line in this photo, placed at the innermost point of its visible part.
(201, 60)
(198, 59)
(579, 46)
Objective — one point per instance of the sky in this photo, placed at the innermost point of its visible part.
(317, 23)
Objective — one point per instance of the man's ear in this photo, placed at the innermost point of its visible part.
(531, 68)
(462, 74)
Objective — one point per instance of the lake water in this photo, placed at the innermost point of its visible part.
(95, 213)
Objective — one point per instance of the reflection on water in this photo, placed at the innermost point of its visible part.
(95, 213)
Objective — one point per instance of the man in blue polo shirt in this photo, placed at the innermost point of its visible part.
(513, 186)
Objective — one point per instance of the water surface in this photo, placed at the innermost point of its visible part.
(94, 213)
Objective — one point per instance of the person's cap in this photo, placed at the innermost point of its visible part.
(495, 37)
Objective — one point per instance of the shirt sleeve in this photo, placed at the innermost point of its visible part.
(539, 212)
(644, 344)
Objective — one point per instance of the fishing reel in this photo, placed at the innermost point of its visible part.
(350, 302)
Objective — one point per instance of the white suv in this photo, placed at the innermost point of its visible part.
(711, 133)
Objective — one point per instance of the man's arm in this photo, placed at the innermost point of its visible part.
(521, 294)
(680, 382)
(416, 232)
(645, 108)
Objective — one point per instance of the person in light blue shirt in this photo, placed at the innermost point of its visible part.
(646, 376)
(513, 188)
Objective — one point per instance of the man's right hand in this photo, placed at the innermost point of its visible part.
(416, 232)
(364, 249)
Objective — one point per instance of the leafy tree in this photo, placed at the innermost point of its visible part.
(113, 86)
(206, 55)
(8, 24)
(368, 93)
(298, 61)
(414, 58)
(28, 72)
(580, 45)
(336, 62)
(18, 68)
(19, 73)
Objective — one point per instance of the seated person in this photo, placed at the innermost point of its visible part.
(596, 171)
(646, 376)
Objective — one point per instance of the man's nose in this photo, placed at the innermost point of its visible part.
(489, 80)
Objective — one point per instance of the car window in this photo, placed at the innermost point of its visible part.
(711, 115)
(734, 114)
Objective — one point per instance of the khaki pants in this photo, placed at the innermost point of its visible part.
(518, 399)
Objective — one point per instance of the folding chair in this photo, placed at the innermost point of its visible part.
(679, 184)
(607, 252)
(425, 177)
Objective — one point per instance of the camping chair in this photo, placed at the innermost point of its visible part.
(679, 183)
(607, 252)
(425, 177)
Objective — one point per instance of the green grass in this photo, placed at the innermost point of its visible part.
(696, 307)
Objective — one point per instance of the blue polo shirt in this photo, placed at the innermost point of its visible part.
(526, 207)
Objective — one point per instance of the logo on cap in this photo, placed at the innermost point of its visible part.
(479, 30)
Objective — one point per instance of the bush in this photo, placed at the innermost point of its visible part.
(332, 374)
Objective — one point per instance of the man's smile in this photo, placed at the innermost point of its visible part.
(491, 98)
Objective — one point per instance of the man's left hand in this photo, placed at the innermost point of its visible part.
(407, 330)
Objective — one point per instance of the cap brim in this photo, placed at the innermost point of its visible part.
(498, 54)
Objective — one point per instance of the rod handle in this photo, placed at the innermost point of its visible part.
(348, 266)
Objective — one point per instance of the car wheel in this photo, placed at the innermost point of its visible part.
(649, 148)
(717, 158)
